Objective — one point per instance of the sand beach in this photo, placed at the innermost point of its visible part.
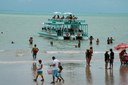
(18, 67)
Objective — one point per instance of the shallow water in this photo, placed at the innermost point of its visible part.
(16, 59)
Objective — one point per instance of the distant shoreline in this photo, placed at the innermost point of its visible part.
(51, 13)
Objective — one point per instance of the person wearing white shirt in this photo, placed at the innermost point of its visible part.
(39, 70)
(55, 69)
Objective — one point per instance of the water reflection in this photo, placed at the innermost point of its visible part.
(34, 68)
(109, 77)
(58, 83)
(42, 83)
(123, 75)
(88, 75)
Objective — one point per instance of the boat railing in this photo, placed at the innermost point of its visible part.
(79, 34)
(66, 20)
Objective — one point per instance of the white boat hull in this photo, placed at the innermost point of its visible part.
(48, 35)
(54, 36)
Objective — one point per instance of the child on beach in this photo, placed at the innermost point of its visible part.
(59, 73)
(39, 70)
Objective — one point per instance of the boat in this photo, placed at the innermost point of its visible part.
(64, 27)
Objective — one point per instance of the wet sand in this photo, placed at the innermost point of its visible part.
(19, 69)
(16, 64)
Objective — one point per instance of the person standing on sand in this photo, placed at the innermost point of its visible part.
(39, 71)
(106, 59)
(55, 69)
(59, 72)
(34, 51)
(111, 58)
(91, 54)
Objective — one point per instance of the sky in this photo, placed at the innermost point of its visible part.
(76, 6)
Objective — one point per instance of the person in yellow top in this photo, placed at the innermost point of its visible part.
(34, 51)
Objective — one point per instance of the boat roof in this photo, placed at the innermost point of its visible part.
(65, 21)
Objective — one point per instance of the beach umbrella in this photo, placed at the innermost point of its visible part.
(121, 46)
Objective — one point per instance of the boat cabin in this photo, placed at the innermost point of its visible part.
(67, 28)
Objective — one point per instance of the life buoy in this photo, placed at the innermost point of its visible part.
(67, 34)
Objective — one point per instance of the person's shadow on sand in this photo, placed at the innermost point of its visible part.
(109, 78)
(123, 75)
(88, 75)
